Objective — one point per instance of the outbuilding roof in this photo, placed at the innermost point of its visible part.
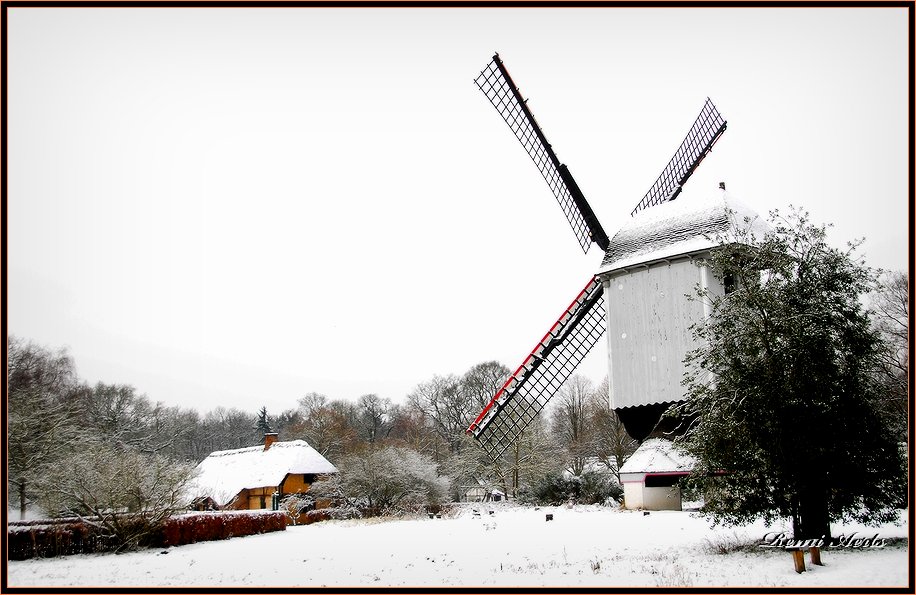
(691, 224)
(223, 474)
(657, 455)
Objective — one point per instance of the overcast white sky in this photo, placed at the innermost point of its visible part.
(238, 206)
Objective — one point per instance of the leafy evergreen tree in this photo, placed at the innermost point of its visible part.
(263, 423)
(780, 394)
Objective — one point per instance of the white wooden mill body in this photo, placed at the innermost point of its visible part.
(650, 275)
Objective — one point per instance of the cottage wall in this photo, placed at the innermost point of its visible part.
(260, 498)
(295, 483)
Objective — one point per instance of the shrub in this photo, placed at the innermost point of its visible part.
(551, 489)
(590, 488)
(388, 480)
(125, 493)
(295, 505)
(599, 488)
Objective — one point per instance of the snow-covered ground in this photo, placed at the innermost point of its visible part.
(515, 546)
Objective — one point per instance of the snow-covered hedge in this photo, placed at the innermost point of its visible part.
(45, 539)
(210, 526)
(61, 537)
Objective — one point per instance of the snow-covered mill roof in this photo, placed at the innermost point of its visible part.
(684, 226)
(657, 455)
(225, 473)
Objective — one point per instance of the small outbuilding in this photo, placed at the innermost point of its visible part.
(651, 474)
(247, 478)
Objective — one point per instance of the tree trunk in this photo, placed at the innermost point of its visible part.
(811, 519)
(22, 501)
(515, 469)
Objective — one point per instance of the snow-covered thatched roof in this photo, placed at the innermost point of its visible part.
(688, 225)
(225, 473)
(657, 455)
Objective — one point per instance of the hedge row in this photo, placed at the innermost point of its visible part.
(45, 539)
(210, 526)
(56, 539)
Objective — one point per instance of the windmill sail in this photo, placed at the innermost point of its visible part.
(704, 133)
(543, 372)
(497, 85)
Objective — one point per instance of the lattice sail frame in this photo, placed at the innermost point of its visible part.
(704, 133)
(494, 81)
(543, 372)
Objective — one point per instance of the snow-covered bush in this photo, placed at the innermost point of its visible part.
(551, 489)
(388, 480)
(59, 537)
(54, 537)
(295, 504)
(123, 492)
(210, 526)
(336, 513)
(596, 487)
(591, 487)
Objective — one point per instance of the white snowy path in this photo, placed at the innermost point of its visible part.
(587, 546)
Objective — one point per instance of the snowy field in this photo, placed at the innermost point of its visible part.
(515, 546)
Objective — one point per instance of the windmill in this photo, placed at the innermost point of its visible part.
(584, 322)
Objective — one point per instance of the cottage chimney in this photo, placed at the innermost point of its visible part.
(269, 438)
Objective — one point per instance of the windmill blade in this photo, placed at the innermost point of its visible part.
(704, 133)
(543, 372)
(497, 85)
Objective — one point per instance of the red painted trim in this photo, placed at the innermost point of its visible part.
(527, 359)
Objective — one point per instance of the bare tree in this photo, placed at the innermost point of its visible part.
(374, 420)
(328, 426)
(311, 402)
(42, 416)
(613, 445)
(443, 400)
(889, 310)
(535, 454)
(119, 413)
(227, 428)
(413, 429)
(572, 414)
(184, 426)
(483, 381)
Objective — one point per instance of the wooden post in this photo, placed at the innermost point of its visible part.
(798, 556)
(816, 556)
